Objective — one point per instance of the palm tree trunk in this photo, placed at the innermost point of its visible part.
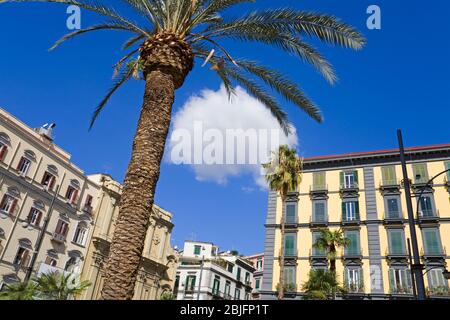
(333, 259)
(281, 281)
(139, 187)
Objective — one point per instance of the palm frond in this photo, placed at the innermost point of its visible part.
(324, 27)
(287, 88)
(104, 26)
(124, 77)
(130, 42)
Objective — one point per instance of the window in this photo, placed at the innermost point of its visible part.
(237, 294)
(350, 211)
(24, 165)
(396, 239)
(257, 283)
(50, 261)
(81, 234)
(34, 217)
(259, 264)
(319, 214)
(72, 194)
(392, 208)
(436, 279)
(8, 205)
(319, 181)
(420, 173)
(216, 285)
(22, 257)
(289, 277)
(431, 241)
(247, 296)
(62, 228)
(316, 251)
(247, 277)
(197, 250)
(230, 267)
(353, 280)
(426, 207)
(388, 175)
(289, 244)
(349, 179)
(238, 275)
(291, 209)
(190, 283)
(227, 290)
(353, 247)
(3, 151)
(400, 281)
(48, 180)
(88, 204)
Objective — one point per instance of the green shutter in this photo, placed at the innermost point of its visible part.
(392, 281)
(318, 180)
(343, 211)
(420, 169)
(355, 175)
(432, 245)
(341, 178)
(396, 242)
(388, 175)
(447, 167)
(357, 209)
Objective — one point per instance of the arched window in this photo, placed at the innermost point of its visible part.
(5, 142)
(8, 204)
(81, 233)
(72, 191)
(49, 178)
(74, 262)
(35, 216)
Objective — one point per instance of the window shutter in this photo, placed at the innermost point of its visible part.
(20, 164)
(52, 182)
(344, 211)
(447, 167)
(355, 175)
(392, 280)
(2, 152)
(25, 258)
(75, 197)
(357, 209)
(341, 178)
(361, 278)
(38, 219)
(12, 210)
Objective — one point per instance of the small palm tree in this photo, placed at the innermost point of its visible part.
(283, 173)
(162, 48)
(321, 285)
(59, 286)
(329, 241)
(19, 291)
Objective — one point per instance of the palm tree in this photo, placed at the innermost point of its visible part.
(329, 241)
(162, 49)
(321, 285)
(19, 291)
(59, 286)
(283, 175)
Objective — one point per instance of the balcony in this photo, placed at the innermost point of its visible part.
(349, 188)
(401, 290)
(428, 216)
(318, 191)
(290, 254)
(354, 288)
(390, 218)
(60, 238)
(434, 254)
(351, 221)
(88, 209)
(356, 254)
(396, 255)
(315, 222)
(317, 255)
(389, 186)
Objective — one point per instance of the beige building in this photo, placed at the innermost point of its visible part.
(156, 274)
(34, 173)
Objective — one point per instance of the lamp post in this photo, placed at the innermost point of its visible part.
(416, 267)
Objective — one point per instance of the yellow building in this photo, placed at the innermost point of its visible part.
(157, 271)
(362, 193)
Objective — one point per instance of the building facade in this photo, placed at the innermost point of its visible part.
(157, 270)
(34, 172)
(205, 274)
(363, 194)
(257, 261)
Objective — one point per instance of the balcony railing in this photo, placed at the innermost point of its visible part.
(318, 188)
(351, 220)
(318, 222)
(397, 289)
(349, 186)
(88, 209)
(391, 183)
(355, 287)
(396, 254)
(440, 253)
(290, 253)
(59, 237)
(352, 254)
(393, 215)
(316, 254)
(428, 215)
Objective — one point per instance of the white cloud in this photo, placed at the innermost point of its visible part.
(200, 136)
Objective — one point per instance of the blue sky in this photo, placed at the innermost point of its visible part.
(400, 80)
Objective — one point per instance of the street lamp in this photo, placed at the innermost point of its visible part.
(201, 274)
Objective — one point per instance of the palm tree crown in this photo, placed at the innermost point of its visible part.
(195, 29)
(329, 241)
